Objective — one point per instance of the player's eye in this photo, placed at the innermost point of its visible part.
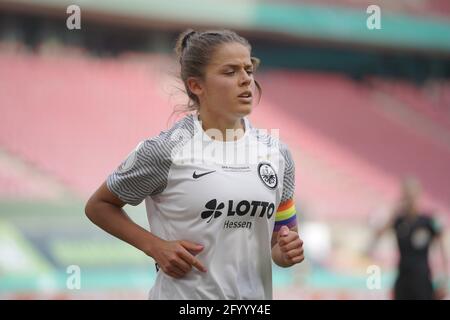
(230, 72)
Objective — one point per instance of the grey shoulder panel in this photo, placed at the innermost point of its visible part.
(145, 171)
(289, 173)
(270, 141)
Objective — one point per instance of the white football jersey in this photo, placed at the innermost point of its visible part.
(228, 196)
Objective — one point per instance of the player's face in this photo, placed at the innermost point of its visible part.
(228, 83)
(411, 192)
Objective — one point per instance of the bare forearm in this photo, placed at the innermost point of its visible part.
(444, 259)
(116, 222)
(277, 257)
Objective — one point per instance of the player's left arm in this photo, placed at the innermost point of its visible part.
(444, 255)
(438, 231)
(287, 247)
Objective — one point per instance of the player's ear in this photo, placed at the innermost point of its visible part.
(195, 85)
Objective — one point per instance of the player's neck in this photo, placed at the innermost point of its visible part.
(412, 213)
(235, 126)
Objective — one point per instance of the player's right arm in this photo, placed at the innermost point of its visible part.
(442, 281)
(138, 177)
(175, 258)
(379, 232)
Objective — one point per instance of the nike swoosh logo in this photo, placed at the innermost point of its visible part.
(196, 176)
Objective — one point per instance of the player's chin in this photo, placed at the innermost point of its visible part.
(243, 109)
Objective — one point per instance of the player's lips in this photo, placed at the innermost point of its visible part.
(245, 96)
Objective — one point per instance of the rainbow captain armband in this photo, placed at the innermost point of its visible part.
(286, 215)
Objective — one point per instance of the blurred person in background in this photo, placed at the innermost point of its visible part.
(215, 226)
(415, 231)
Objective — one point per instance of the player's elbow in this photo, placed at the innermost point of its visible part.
(90, 209)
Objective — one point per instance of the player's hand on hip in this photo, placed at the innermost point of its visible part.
(176, 258)
(291, 246)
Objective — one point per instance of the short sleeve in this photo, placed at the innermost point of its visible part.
(435, 226)
(288, 175)
(143, 173)
(146, 170)
(286, 213)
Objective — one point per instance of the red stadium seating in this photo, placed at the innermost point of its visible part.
(18, 181)
(432, 102)
(77, 118)
(370, 146)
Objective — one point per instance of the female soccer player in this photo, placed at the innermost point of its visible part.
(219, 193)
(415, 232)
